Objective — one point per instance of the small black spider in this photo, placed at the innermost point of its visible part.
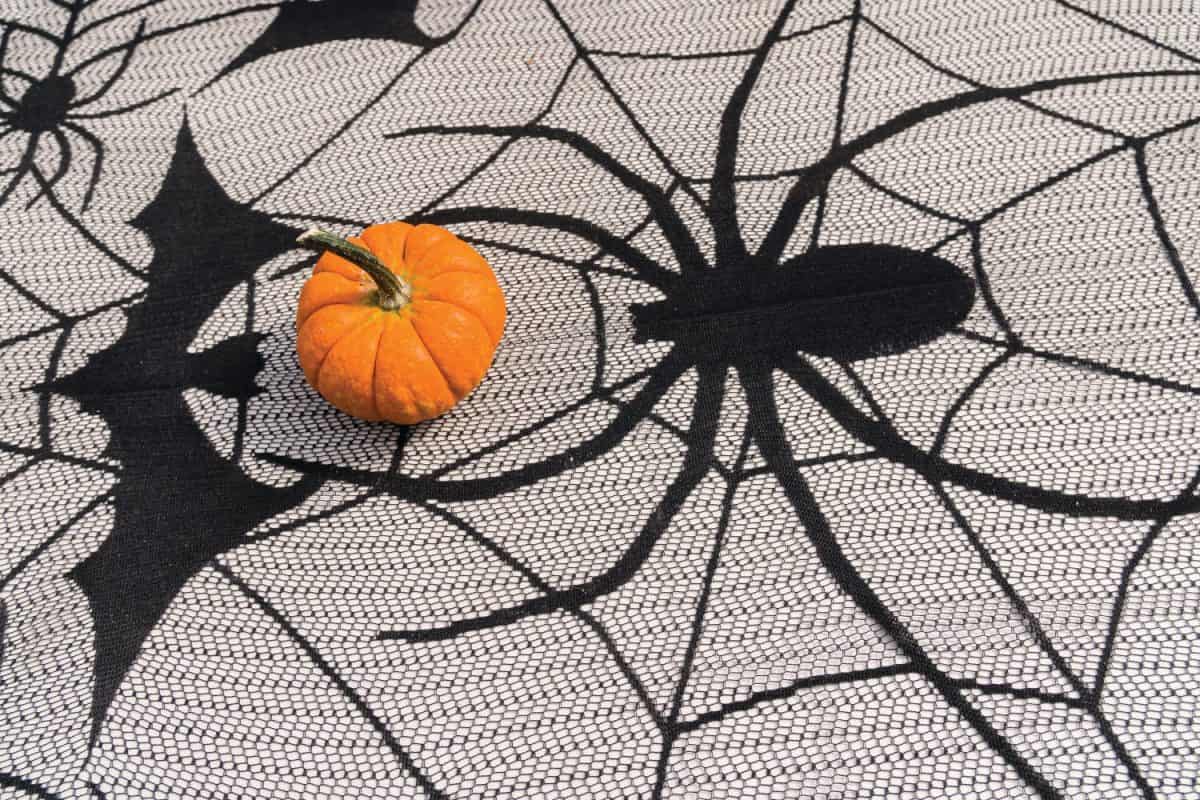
(49, 107)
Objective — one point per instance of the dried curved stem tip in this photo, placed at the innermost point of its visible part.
(394, 292)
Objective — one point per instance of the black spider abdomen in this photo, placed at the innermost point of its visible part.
(847, 302)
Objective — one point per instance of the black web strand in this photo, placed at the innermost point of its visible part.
(37, 552)
(1028, 619)
(17, 472)
(24, 167)
(647, 269)
(1127, 574)
(1160, 228)
(662, 376)
(984, 282)
(1129, 143)
(112, 112)
(795, 687)
(503, 147)
(585, 55)
(1128, 31)
(893, 447)
(902, 198)
(26, 787)
(924, 59)
(965, 396)
(533, 427)
(316, 516)
(41, 304)
(125, 12)
(64, 164)
(67, 35)
(865, 393)
(32, 31)
(698, 617)
(348, 692)
(1032, 191)
(818, 461)
(1082, 363)
(598, 332)
(584, 266)
(715, 54)
(687, 252)
(1022, 693)
(122, 65)
(844, 85)
(540, 584)
(696, 464)
(341, 130)
(64, 458)
(1089, 699)
(817, 175)
(731, 247)
(772, 444)
(109, 51)
(75, 222)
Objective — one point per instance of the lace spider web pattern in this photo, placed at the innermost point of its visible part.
(719, 524)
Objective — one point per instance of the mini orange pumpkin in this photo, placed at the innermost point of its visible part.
(399, 323)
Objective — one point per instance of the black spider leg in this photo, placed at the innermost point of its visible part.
(889, 444)
(64, 164)
(5, 97)
(731, 248)
(123, 65)
(106, 87)
(686, 250)
(97, 159)
(671, 735)
(772, 443)
(329, 671)
(23, 168)
(815, 178)
(697, 462)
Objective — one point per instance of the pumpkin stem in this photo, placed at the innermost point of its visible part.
(394, 292)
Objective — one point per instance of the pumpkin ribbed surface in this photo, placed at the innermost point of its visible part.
(410, 363)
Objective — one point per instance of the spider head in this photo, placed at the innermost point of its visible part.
(44, 105)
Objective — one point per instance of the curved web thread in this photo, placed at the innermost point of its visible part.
(1011, 345)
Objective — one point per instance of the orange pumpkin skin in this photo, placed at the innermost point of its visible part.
(410, 363)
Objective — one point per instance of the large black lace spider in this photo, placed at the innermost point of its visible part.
(49, 107)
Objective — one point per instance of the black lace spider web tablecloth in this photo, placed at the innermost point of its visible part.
(842, 443)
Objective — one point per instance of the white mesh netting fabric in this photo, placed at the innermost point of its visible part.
(842, 443)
